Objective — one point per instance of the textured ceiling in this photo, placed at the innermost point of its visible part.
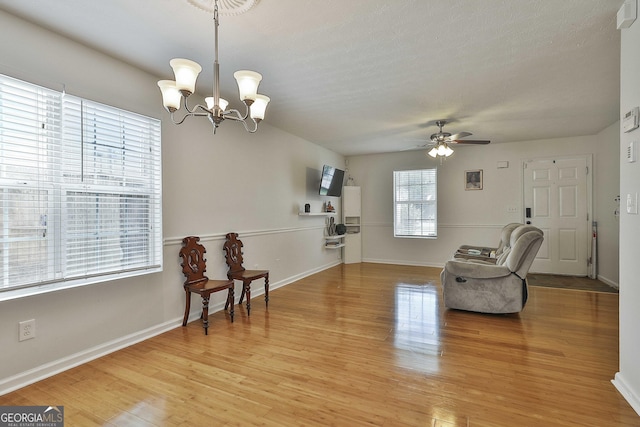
(366, 76)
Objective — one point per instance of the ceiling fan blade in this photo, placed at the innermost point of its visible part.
(470, 141)
(460, 135)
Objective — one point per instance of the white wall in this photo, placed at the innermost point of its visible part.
(627, 380)
(253, 184)
(606, 189)
(474, 217)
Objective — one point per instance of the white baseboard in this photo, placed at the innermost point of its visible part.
(39, 373)
(609, 282)
(626, 392)
(398, 262)
(47, 370)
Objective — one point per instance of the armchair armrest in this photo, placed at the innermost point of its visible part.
(491, 258)
(479, 248)
(476, 270)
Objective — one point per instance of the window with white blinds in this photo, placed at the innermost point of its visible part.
(80, 191)
(415, 211)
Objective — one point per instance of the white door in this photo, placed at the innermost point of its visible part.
(555, 200)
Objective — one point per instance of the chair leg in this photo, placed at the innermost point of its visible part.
(230, 299)
(205, 314)
(242, 294)
(266, 290)
(246, 289)
(186, 308)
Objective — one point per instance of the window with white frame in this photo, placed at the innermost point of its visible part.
(80, 191)
(415, 210)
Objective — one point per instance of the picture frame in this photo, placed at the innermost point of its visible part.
(473, 179)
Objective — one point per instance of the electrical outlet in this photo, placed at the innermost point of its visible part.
(27, 329)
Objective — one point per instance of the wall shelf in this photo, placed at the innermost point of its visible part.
(334, 242)
(316, 213)
(329, 246)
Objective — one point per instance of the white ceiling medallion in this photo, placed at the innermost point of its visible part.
(226, 7)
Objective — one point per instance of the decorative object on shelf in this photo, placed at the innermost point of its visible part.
(330, 208)
(473, 180)
(341, 229)
(331, 227)
(186, 72)
(307, 208)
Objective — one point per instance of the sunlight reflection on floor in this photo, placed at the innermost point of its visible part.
(417, 327)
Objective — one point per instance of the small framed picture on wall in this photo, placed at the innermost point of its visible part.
(473, 180)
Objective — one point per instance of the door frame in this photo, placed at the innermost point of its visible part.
(589, 178)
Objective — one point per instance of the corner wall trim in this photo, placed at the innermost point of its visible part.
(621, 385)
(609, 282)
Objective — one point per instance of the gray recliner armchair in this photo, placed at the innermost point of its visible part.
(485, 287)
(488, 253)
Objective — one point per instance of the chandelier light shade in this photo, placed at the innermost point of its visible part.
(259, 107)
(248, 82)
(186, 73)
(171, 96)
(223, 103)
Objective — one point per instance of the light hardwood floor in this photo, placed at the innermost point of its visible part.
(361, 344)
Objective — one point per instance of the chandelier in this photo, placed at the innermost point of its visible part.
(186, 72)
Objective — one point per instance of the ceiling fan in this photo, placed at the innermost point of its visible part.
(441, 140)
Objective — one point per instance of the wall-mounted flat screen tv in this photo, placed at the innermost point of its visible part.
(331, 181)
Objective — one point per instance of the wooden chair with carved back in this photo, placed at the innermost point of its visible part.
(193, 266)
(233, 256)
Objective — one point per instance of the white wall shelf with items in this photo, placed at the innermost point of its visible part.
(334, 242)
(325, 210)
(351, 209)
(334, 234)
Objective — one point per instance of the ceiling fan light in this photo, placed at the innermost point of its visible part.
(248, 82)
(433, 152)
(186, 72)
(448, 151)
(442, 149)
